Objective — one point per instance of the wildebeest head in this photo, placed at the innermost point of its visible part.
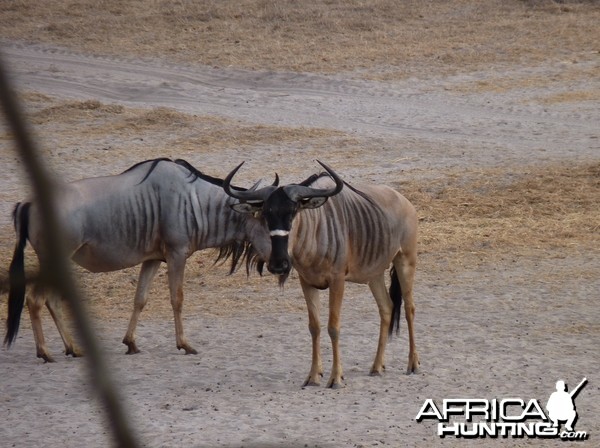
(277, 206)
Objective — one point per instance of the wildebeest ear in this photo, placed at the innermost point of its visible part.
(315, 202)
(247, 207)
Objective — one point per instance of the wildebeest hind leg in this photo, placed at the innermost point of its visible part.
(336, 294)
(384, 303)
(405, 264)
(54, 305)
(35, 302)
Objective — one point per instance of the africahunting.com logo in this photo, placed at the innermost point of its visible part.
(509, 417)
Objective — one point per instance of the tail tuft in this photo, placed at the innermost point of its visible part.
(16, 272)
(396, 296)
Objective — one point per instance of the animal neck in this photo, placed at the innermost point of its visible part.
(318, 238)
(216, 223)
(306, 238)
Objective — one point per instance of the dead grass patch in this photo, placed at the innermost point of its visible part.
(378, 38)
(569, 74)
(194, 132)
(488, 214)
(74, 111)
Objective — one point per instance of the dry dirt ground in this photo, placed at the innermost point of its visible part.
(484, 114)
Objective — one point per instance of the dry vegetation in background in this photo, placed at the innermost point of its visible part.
(494, 213)
(534, 207)
(206, 133)
(375, 38)
(480, 222)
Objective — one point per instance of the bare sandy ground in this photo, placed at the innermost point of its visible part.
(508, 328)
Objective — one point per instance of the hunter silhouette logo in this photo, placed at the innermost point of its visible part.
(509, 417)
(561, 407)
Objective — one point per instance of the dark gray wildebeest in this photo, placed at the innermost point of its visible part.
(157, 210)
(354, 236)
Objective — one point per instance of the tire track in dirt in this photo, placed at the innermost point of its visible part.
(422, 109)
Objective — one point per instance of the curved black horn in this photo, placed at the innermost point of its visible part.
(296, 192)
(339, 183)
(247, 195)
(227, 183)
(274, 184)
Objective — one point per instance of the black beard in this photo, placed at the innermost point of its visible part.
(282, 279)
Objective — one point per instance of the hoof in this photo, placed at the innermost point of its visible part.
(313, 380)
(46, 357)
(310, 383)
(75, 353)
(131, 347)
(377, 371)
(335, 383)
(188, 350)
(413, 364)
(412, 369)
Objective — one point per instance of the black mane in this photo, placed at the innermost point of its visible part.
(194, 172)
(154, 163)
(308, 182)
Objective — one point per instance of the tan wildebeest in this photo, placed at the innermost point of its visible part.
(330, 235)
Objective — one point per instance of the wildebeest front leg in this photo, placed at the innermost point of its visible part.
(176, 267)
(336, 294)
(147, 273)
(384, 303)
(313, 303)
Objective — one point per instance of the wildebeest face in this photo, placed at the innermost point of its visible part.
(278, 211)
(278, 207)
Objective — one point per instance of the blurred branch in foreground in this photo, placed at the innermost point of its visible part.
(56, 270)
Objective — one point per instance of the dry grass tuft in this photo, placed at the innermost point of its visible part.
(571, 73)
(74, 111)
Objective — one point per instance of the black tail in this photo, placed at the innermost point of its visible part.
(396, 295)
(16, 272)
